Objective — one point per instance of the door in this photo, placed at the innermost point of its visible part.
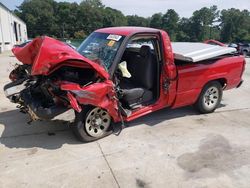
(169, 72)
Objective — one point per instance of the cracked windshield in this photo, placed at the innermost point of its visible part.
(101, 48)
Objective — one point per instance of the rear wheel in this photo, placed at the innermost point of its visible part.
(209, 98)
(92, 124)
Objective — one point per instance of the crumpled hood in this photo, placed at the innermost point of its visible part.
(45, 53)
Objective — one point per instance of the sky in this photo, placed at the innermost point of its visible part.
(147, 8)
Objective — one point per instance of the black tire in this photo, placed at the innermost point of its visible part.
(79, 127)
(207, 104)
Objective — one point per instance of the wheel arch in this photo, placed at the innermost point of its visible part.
(79, 128)
(199, 104)
(194, 95)
(221, 81)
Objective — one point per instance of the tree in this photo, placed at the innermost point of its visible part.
(66, 19)
(79, 34)
(38, 15)
(202, 21)
(72, 20)
(156, 21)
(113, 17)
(184, 30)
(235, 25)
(170, 23)
(90, 15)
(92, 3)
(137, 21)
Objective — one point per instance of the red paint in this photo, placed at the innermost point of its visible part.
(16, 49)
(126, 31)
(214, 42)
(74, 103)
(47, 54)
(97, 94)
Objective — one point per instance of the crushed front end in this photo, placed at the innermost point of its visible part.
(54, 78)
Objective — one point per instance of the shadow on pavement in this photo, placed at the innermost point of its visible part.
(17, 133)
(163, 115)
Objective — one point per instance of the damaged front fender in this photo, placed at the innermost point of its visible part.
(98, 94)
(59, 78)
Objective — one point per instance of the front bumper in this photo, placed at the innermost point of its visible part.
(14, 89)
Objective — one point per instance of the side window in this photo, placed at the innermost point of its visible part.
(152, 41)
(138, 43)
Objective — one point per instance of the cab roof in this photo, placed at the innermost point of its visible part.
(125, 31)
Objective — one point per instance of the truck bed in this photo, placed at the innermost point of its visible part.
(195, 52)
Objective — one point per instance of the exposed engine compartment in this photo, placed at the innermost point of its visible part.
(41, 96)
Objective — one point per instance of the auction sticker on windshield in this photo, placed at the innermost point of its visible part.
(111, 43)
(114, 37)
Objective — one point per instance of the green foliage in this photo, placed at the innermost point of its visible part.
(39, 15)
(202, 23)
(92, 3)
(72, 20)
(184, 30)
(137, 21)
(79, 35)
(67, 20)
(235, 25)
(156, 21)
(113, 17)
(170, 23)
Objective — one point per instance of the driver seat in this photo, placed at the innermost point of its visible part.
(138, 89)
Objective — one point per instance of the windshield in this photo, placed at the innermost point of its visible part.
(101, 48)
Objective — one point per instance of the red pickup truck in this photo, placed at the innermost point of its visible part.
(120, 74)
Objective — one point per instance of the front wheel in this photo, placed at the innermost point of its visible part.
(209, 98)
(92, 123)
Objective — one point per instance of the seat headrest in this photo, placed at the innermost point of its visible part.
(144, 51)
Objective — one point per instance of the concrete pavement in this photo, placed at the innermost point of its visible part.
(170, 148)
